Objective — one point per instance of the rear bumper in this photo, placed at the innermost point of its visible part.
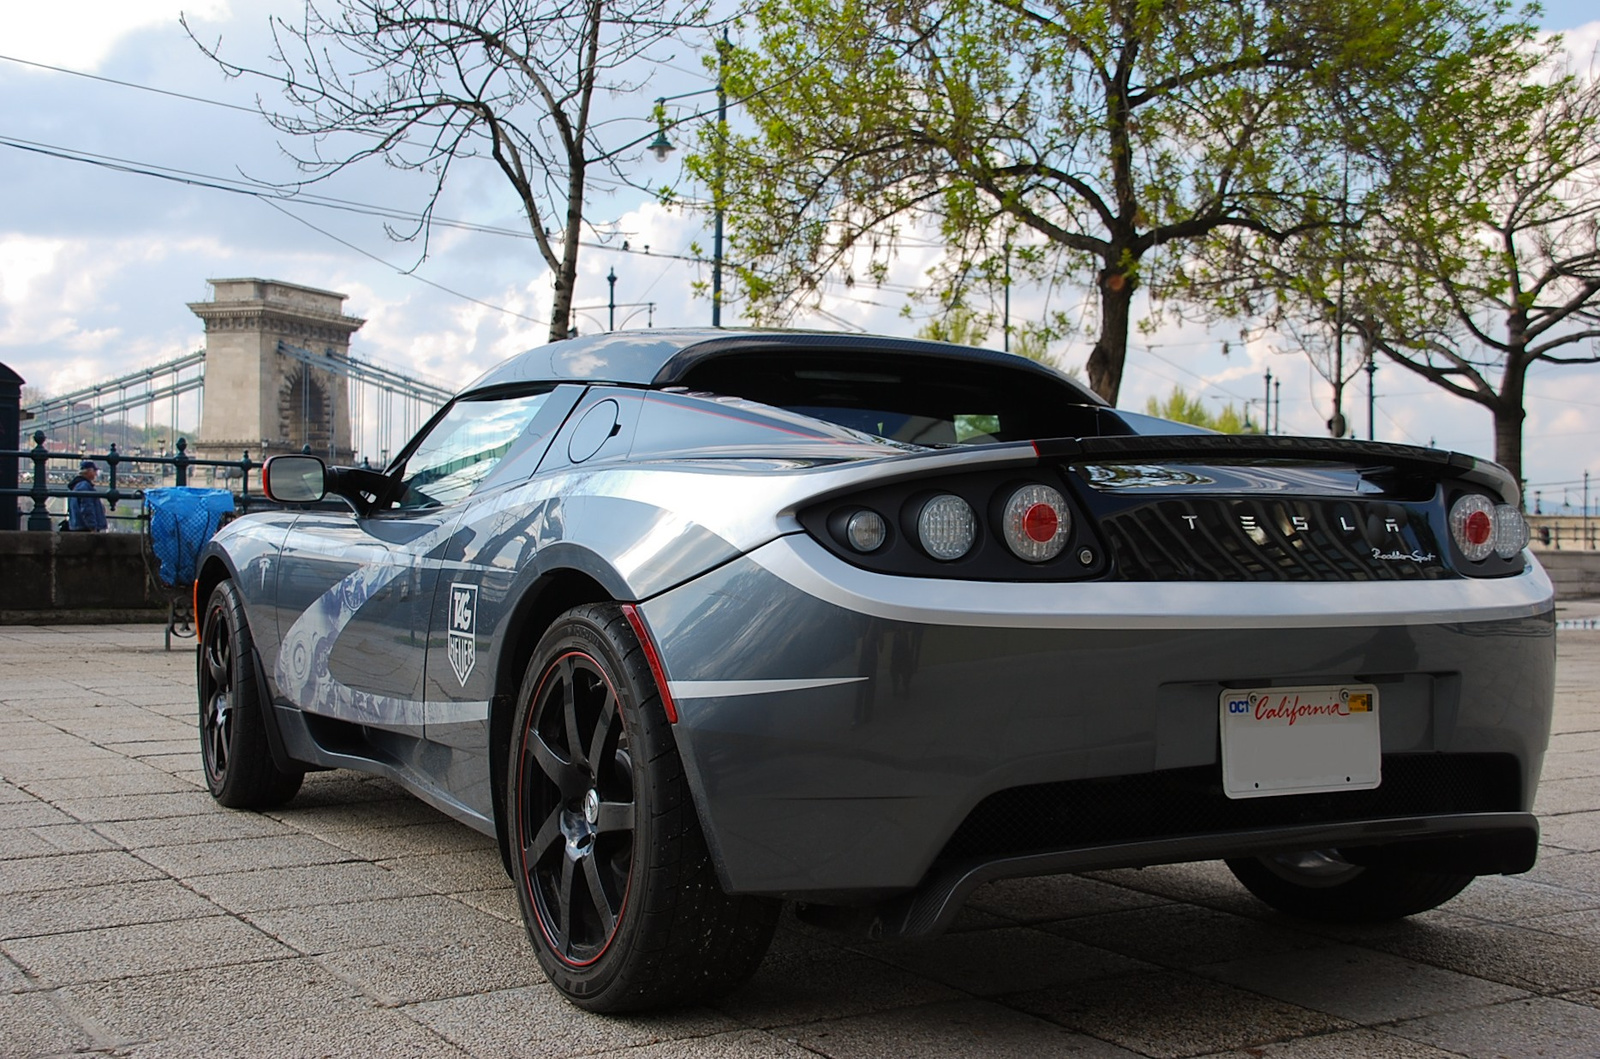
(1468, 844)
(844, 730)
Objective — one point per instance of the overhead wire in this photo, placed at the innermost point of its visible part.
(268, 191)
(404, 272)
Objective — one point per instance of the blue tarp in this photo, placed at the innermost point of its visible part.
(182, 519)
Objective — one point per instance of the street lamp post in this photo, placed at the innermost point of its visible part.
(1266, 404)
(661, 146)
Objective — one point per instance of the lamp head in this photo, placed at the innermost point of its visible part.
(661, 146)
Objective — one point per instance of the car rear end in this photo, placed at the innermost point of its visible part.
(1115, 651)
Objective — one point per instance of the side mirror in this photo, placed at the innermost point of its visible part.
(294, 479)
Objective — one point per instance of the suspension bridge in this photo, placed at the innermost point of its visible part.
(276, 375)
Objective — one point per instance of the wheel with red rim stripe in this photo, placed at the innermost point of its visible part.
(575, 836)
(618, 891)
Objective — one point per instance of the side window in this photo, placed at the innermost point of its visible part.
(463, 447)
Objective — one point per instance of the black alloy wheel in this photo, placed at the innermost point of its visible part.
(1320, 885)
(216, 698)
(617, 888)
(239, 769)
(577, 837)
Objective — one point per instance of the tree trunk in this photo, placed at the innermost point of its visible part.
(561, 304)
(1509, 415)
(1110, 351)
(567, 274)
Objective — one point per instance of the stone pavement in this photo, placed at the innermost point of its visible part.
(138, 918)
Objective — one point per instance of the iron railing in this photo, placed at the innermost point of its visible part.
(1565, 532)
(126, 478)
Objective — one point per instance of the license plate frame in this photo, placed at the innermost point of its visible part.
(1306, 739)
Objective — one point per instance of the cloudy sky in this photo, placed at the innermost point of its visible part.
(97, 263)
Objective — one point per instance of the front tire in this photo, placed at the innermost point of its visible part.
(617, 888)
(240, 772)
(1322, 886)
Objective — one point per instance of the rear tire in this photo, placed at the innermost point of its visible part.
(240, 772)
(617, 888)
(1322, 886)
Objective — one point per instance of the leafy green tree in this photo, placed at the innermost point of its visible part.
(1097, 137)
(960, 326)
(1473, 310)
(964, 327)
(1182, 407)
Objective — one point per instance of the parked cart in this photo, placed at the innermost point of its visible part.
(179, 521)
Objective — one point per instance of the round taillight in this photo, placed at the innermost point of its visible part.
(1037, 523)
(1472, 526)
(1510, 531)
(946, 527)
(865, 531)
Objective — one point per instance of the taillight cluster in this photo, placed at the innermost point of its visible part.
(1035, 524)
(1481, 528)
(978, 527)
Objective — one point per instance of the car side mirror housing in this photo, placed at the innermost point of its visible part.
(294, 479)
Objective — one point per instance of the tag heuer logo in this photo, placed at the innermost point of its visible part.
(463, 645)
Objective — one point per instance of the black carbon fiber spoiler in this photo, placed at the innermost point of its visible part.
(1413, 458)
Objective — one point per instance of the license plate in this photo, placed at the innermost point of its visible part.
(1299, 740)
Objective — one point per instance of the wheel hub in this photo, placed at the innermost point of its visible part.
(591, 807)
(578, 825)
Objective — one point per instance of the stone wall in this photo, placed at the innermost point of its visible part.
(1576, 574)
(70, 578)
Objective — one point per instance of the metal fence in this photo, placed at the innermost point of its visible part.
(126, 479)
(1565, 532)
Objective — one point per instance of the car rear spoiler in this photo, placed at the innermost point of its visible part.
(1410, 458)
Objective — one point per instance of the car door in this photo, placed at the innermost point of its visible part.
(357, 590)
(482, 562)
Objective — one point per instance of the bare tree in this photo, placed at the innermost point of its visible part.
(1472, 313)
(1474, 258)
(426, 84)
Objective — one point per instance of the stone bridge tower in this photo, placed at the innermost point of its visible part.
(260, 399)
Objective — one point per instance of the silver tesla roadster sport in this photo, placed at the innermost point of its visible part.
(697, 622)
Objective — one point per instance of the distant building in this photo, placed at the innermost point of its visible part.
(257, 397)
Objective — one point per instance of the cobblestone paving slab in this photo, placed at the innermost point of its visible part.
(953, 1031)
(1544, 1027)
(139, 919)
(1364, 987)
(516, 1022)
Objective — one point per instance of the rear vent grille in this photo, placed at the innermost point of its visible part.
(1222, 540)
(1051, 817)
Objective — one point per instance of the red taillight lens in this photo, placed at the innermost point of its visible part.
(1037, 523)
(1040, 522)
(1472, 526)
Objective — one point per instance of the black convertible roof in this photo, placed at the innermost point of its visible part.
(663, 358)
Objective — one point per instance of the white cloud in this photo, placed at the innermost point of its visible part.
(1582, 43)
(82, 37)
